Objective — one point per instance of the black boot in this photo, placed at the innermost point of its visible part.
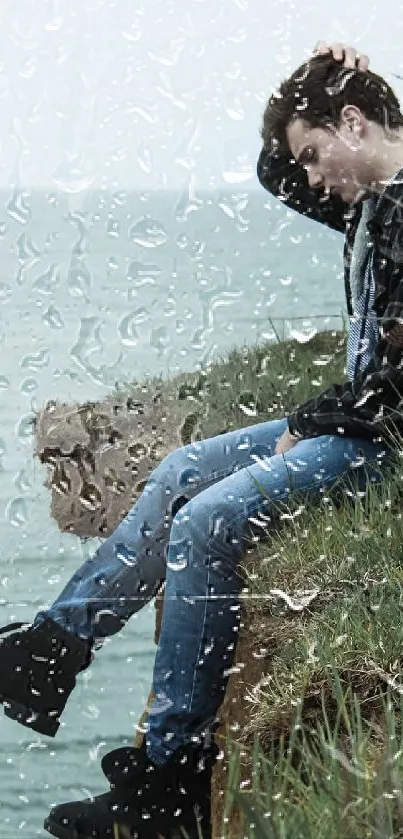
(38, 669)
(146, 801)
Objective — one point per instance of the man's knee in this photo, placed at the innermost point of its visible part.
(204, 533)
(180, 475)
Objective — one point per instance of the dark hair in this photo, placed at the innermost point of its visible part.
(318, 90)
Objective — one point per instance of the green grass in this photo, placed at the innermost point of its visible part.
(326, 784)
(323, 730)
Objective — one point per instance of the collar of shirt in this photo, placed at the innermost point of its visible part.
(376, 224)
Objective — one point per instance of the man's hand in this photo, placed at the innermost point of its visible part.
(341, 52)
(285, 442)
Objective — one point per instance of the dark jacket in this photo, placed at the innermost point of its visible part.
(371, 405)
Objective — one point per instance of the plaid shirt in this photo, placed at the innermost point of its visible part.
(371, 405)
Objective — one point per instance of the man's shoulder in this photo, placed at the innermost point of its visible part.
(388, 215)
(388, 221)
(391, 201)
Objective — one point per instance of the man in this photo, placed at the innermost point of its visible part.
(341, 166)
(332, 142)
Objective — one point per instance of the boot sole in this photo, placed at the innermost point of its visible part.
(31, 719)
(59, 831)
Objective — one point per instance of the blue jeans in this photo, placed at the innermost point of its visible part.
(190, 527)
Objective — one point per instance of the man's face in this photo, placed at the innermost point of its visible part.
(333, 161)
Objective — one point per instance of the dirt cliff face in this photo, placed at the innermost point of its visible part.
(99, 457)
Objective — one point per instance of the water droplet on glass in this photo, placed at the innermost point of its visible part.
(226, 209)
(90, 496)
(146, 530)
(5, 292)
(150, 486)
(47, 282)
(119, 199)
(79, 220)
(132, 33)
(52, 318)
(145, 112)
(175, 49)
(137, 451)
(28, 67)
(4, 85)
(92, 712)
(26, 248)
(112, 264)
(93, 751)
(89, 343)
(180, 327)
(160, 705)
(159, 339)
(127, 330)
(148, 233)
(145, 158)
(235, 109)
(194, 247)
(25, 427)
(140, 274)
(79, 280)
(113, 228)
(22, 481)
(126, 554)
(323, 360)
(73, 175)
(189, 477)
(56, 21)
(247, 403)
(179, 563)
(303, 337)
(35, 361)
(188, 203)
(244, 441)
(297, 600)
(217, 524)
(28, 386)
(16, 512)
(237, 165)
(18, 208)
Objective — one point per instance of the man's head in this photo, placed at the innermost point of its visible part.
(344, 126)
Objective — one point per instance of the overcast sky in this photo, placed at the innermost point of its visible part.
(160, 93)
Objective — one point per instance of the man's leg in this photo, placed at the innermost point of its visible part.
(126, 570)
(201, 606)
(38, 666)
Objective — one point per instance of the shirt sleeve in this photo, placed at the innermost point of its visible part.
(371, 405)
(279, 173)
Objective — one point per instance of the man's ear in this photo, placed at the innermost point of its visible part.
(354, 119)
